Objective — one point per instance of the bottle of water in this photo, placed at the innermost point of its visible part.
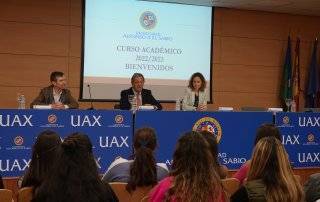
(133, 102)
(21, 101)
(178, 104)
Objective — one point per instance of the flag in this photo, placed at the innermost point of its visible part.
(296, 75)
(313, 80)
(286, 88)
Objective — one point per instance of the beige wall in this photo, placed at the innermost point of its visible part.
(40, 36)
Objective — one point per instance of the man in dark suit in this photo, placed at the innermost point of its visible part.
(143, 96)
(56, 95)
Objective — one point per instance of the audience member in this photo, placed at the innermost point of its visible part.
(44, 154)
(143, 170)
(312, 188)
(270, 177)
(193, 176)
(212, 140)
(75, 175)
(265, 130)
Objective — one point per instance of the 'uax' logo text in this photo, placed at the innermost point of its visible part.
(15, 120)
(85, 121)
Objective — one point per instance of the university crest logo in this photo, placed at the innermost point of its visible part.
(18, 140)
(52, 118)
(148, 20)
(209, 124)
(286, 120)
(118, 119)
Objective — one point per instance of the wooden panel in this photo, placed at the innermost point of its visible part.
(306, 27)
(238, 100)
(217, 27)
(74, 72)
(75, 41)
(254, 24)
(76, 13)
(239, 78)
(9, 96)
(35, 70)
(39, 39)
(216, 49)
(35, 11)
(251, 51)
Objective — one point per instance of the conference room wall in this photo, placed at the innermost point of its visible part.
(40, 36)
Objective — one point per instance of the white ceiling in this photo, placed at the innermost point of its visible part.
(302, 7)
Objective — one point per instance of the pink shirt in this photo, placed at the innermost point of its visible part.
(158, 193)
(242, 173)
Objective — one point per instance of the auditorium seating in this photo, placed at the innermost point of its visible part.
(5, 195)
(123, 195)
(25, 194)
(231, 185)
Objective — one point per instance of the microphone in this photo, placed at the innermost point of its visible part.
(91, 104)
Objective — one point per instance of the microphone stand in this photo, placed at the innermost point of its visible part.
(91, 104)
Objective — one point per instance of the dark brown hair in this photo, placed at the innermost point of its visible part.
(75, 175)
(267, 130)
(55, 75)
(44, 154)
(143, 170)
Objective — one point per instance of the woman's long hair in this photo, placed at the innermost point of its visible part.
(270, 163)
(143, 170)
(44, 154)
(213, 145)
(193, 172)
(75, 175)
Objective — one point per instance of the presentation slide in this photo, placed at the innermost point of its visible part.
(165, 42)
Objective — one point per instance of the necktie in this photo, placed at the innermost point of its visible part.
(139, 102)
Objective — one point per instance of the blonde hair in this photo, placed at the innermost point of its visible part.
(271, 164)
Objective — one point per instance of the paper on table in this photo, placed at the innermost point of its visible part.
(148, 107)
(41, 106)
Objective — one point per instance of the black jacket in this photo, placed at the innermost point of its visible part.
(147, 98)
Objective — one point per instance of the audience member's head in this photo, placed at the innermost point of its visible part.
(213, 145)
(75, 176)
(143, 171)
(267, 130)
(270, 163)
(44, 154)
(137, 82)
(193, 172)
(312, 188)
(197, 82)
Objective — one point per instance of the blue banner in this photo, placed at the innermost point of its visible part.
(301, 137)
(110, 133)
(235, 131)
